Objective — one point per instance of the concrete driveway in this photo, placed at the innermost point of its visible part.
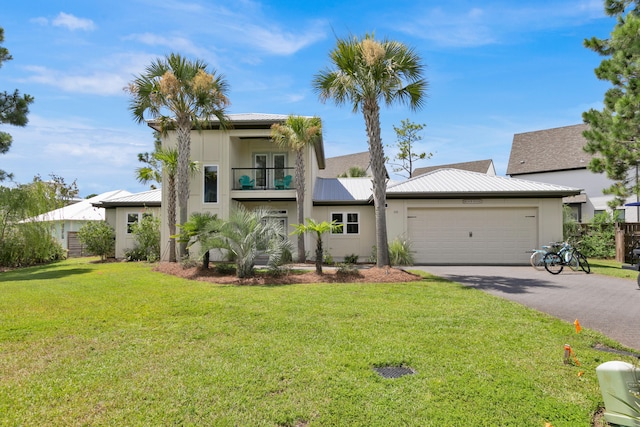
(605, 304)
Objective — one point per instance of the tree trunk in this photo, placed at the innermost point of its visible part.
(171, 213)
(371, 111)
(300, 189)
(319, 255)
(184, 153)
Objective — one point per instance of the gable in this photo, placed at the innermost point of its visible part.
(481, 166)
(548, 150)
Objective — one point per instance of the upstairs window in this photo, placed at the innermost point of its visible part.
(350, 222)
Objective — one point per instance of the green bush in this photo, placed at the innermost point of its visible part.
(147, 236)
(599, 241)
(400, 251)
(351, 259)
(347, 269)
(99, 238)
(226, 268)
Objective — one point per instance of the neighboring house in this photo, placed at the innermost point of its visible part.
(556, 156)
(337, 166)
(481, 166)
(65, 222)
(452, 216)
(122, 212)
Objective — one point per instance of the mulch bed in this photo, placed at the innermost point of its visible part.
(329, 275)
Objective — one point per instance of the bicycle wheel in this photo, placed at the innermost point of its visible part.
(536, 260)
(573, 262)
(553, 263)
(584, 264)
(639, 280)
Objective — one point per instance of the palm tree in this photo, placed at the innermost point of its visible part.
(354, 172)
(319, 228)
(296, 134)
(185, 90)
(245, 234)
(366, 72)
(168, 159)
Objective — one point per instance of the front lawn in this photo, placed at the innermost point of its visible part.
(84, 343)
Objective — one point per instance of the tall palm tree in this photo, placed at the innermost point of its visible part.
(181, 95)
(296, 134)
(168, 159)
(365, 73)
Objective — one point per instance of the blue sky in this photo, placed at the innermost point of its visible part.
(495, 68)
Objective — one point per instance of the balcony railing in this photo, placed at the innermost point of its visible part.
(263, 178)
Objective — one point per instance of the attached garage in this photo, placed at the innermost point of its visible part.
(472, 235)
(460, 217)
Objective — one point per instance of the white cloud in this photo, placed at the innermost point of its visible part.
(278, 42)
(73, 22)
(175, 43)
(107, 77)
(497, 23)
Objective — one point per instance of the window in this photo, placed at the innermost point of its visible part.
(135, 218)
(349, 222)
(132, 218)
(211, 184)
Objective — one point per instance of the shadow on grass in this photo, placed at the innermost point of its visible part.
(41, 273)
(504, 284)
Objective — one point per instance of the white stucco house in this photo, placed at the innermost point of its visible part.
(452, 216)
(66, 221)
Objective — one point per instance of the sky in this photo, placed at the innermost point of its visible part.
(494, 68)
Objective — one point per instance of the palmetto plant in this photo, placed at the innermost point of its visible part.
(296, 134)
(364, 73)
(247, 233)
(317, 228)
(180, 94)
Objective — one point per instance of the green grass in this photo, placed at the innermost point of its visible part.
(610, 267)
(116, 344)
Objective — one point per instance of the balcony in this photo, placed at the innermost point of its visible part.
(253, 179)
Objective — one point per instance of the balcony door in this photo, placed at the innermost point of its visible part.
(269, 167)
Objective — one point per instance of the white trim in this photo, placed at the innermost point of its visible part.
(345, 223)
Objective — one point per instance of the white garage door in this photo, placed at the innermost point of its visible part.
(473, 235)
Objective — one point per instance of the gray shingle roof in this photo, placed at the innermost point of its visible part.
(548, 150)
(335, 166)
(481, 166)
(460, 183)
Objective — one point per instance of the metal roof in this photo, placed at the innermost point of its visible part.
(342, 190)
(84, 210)
(460, 183)
(146, 198)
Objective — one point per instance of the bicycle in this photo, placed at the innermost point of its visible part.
(537, 257)
(554, 262)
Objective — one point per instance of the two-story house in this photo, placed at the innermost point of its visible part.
(452, 216)
(556, 156)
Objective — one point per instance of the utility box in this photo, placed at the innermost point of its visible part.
(620, 388)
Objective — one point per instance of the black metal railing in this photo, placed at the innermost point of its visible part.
(263, 178)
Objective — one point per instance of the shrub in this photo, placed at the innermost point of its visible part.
(225, 268)
(98, 237)
(400, 251)
(351, 259)
(600, 240)
(345, 269)
(147, 236)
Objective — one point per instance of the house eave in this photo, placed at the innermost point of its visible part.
(484, 195)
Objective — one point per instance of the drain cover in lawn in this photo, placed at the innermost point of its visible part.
(393, 371)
